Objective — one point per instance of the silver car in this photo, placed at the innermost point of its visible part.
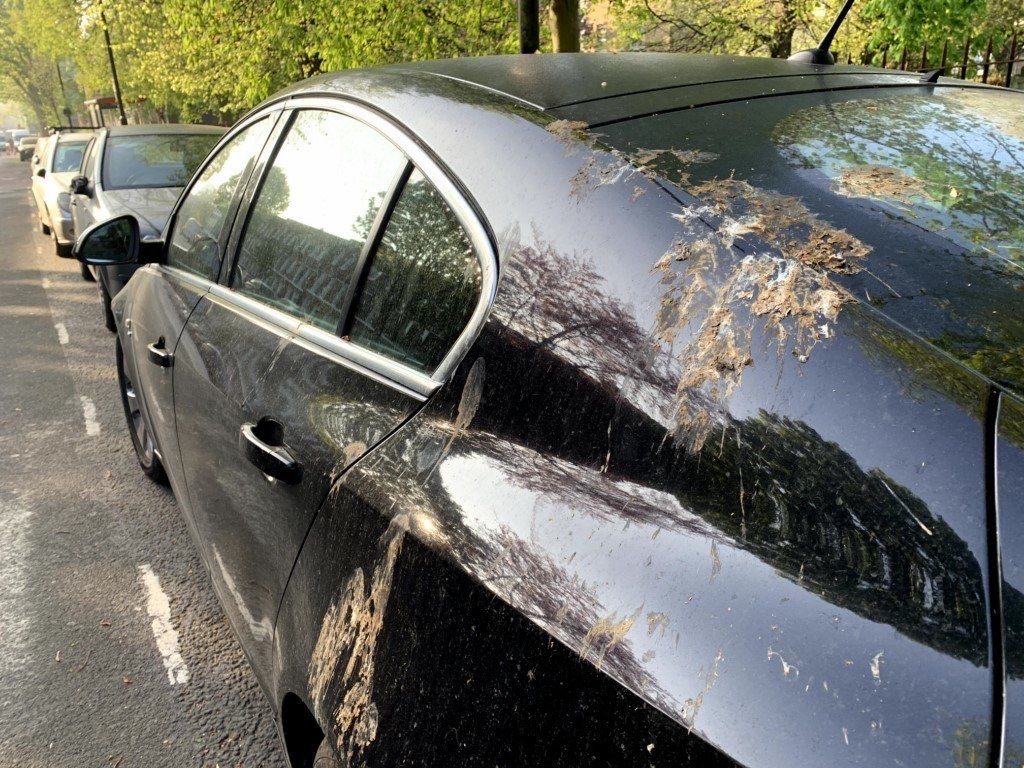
(138, 170)
(58, 159)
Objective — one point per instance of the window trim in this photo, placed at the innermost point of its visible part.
(372, 364)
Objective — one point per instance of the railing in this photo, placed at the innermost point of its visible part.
(971, 67)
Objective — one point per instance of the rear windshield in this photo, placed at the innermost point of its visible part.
(68, 156)
(928, 183)
(155, 160)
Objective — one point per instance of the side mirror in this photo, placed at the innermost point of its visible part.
(79, 185)
(114, 241)
(41, 172)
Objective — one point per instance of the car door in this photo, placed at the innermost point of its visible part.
(81, 214)
(275, 396)
(163, 295)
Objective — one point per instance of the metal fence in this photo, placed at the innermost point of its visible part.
(972, 66)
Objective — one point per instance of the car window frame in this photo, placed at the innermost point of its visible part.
(368, 362)
(224, 239)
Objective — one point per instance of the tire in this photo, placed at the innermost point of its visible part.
(145, 451)
(325, 757)
(108, 313)
(61, 249)
(86, 274)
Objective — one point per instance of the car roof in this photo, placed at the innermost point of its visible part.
(162, 128)
(551, 81)
(603, 88)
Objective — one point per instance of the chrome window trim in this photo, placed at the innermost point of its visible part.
(475, 229)
(166, 270)
(324, 343)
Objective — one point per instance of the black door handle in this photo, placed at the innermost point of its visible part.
(158, 354)
(263, 446)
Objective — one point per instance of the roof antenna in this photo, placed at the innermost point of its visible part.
(821, 54)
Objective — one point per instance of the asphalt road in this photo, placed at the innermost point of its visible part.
(100, 584)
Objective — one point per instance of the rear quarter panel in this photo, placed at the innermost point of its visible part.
(545, 567)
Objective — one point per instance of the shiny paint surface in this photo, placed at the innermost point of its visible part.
(1010, 500)
(567, 558)
(232, 368)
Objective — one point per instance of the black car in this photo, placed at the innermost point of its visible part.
(603, 410)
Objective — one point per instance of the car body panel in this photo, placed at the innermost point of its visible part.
(614, 537)
(1009, 477)
(233, 368)
(821, 556)
(158, 306)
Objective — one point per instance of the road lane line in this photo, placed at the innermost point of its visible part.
(92, 427)
(62, 333)
(158, 606)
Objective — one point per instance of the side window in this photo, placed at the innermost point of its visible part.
(195, 242)
(90, 152)
(423, 282)
(313, 215)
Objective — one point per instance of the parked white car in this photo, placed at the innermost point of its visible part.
(60, 161)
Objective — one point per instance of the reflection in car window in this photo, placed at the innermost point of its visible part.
(198, 225)
(313, 214)
(157, 160)
(423, 282)
(68, 156)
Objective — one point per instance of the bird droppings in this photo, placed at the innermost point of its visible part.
(716, 562)
(657, 622)
(785, 279)
(787, 669)
(876, 667)
(343, 660)
(607, 633)
(880, 181)
(691, 707)
(569, 132)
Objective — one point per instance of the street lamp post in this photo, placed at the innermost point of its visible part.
(113, 70)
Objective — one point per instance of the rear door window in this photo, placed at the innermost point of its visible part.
(313, 215)
(422, 284)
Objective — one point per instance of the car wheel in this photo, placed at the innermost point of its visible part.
(87, 274)
(145, 449)
(63, 250)
(108, 314)
(325, 757)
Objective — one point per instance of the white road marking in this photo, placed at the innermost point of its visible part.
(92, 427)
(158, 606)
(62, 333)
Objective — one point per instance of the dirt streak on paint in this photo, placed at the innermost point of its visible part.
(691, 707)
(606, 633)
(346, 647)
(785, 279)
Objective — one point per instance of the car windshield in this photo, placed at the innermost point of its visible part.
(68, 156)
(154, 160)
(925, 183)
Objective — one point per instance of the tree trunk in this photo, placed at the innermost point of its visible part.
(781, 44)
(564, 20)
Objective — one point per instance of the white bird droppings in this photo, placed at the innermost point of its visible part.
(158, 606)
(92, 426)
(62, 333)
